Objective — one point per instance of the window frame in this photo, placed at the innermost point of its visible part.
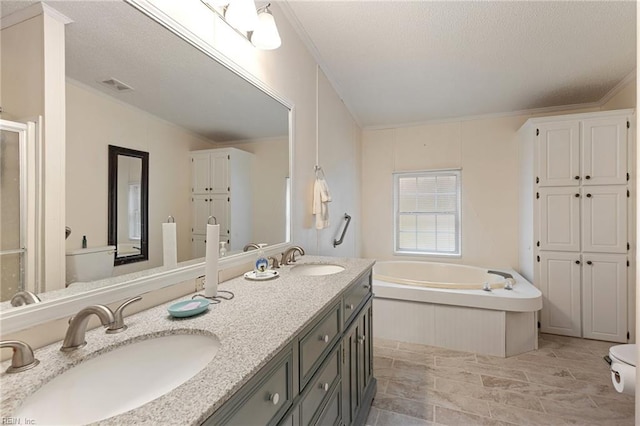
(458, 215)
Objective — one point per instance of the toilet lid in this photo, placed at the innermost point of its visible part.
(625, 353)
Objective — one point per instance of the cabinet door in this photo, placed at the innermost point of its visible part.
(200, 211)
(200, 173)
(220, 172)
(604, 219)
(560, 287)
(350, 387)
(604, 297)
(558, 154)
(604, 151)
(220, 210)
(198, 246)
(559, 219)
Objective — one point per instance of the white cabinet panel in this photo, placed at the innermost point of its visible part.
(200, 211)
(604, 151)
(560, 287)
(200, 176)
(559, 210)
(220, 172)
(559, 154)
(198, 246)
(604, 296)
(220, 210)
(604, 219)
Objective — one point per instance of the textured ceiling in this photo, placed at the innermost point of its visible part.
(171, 79)
(396, 62)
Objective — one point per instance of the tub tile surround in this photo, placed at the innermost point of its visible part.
(542, 387)
(261, 319)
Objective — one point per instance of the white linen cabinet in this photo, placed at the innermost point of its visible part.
(221, 186)
(576, 221)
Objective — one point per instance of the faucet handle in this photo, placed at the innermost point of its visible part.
(118, 325)
(274, 262)
(22, 358)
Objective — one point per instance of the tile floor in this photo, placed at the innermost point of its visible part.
(565, 381)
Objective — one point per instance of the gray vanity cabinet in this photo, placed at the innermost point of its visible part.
(322, 377)
(357, 367)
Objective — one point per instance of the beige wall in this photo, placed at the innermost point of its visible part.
(95, 121)
(486, 150)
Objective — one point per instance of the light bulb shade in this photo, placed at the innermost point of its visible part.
(242, 15)
(266, 35)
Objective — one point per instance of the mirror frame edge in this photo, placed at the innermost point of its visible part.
(27, 316)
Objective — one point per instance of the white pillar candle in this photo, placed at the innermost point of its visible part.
(211, 261)
(169, 245)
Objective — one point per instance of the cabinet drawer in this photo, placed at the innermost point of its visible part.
(268, 401)
(355, 297)
(332, 413)
(317, 342)
(320, 387)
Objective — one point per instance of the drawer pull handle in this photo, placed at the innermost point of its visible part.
(274, 398)
(324, 387)
(366, 286)
(349, 306)
(361, 339)
(325, 338)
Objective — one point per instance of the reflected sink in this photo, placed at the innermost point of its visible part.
(316, 269)
(120, 380)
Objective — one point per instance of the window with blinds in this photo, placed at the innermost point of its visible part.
(427, 212)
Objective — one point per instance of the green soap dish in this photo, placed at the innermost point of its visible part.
(189, 308)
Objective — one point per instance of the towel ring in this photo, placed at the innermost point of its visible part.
(171, 219)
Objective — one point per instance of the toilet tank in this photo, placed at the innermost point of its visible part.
(89, 264)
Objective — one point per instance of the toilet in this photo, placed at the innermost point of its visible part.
(89, 264)
(623, 367)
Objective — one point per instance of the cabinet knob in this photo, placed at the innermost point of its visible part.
(577, 262)
(349, 306)
(587, 177)
(324, 387)
(588, 195)
(589, 262)
(577, 195)
(576, 177)
(325, 338)
(366, 286)
(361, 339)
(274, 398)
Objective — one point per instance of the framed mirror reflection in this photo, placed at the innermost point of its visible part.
(128, 204)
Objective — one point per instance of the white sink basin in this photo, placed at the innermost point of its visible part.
(120, 380)
(316, 269)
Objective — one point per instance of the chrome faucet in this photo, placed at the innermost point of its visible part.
(24, 297)
(251, 246)
(118, 325)
(74, 339)
(289, 256)
(22, 358)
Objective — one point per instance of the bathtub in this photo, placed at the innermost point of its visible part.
(445, 305)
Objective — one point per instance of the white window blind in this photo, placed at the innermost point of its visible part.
(427, 212)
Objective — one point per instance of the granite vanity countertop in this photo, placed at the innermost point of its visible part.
(255, 325)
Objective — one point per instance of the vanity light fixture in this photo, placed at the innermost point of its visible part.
(266, 35)
(256, 25)
(242, 15)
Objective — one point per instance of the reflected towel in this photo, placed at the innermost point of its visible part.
(321, 197)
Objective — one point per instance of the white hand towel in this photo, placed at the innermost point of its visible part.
(321, 197)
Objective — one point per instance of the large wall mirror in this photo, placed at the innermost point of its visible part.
(131, 82)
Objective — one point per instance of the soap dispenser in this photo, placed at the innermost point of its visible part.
(262, 264)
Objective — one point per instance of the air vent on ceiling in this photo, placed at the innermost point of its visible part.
(116, 85)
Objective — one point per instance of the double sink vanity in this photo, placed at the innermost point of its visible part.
(295, 350)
